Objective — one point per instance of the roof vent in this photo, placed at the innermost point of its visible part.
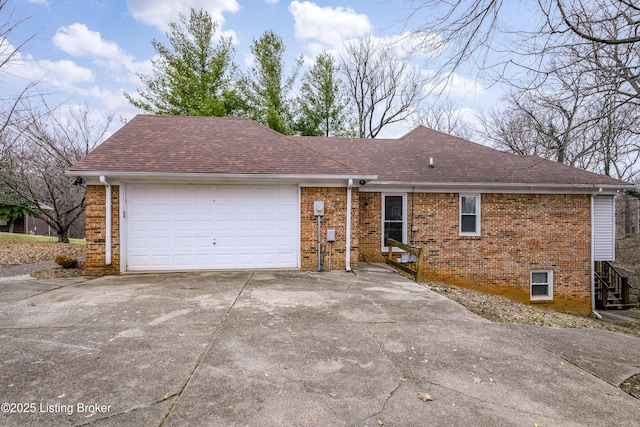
(431, 165)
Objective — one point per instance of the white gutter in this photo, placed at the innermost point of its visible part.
(222, 176)
(593, 255)
(107, 219)
(348, 231)
(524, 188)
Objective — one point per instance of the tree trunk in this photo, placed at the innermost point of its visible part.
(12, 221)
(628, 215)
(63, 236)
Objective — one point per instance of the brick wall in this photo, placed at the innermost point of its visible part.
(520, 233)
(335, 210)
(95, 230)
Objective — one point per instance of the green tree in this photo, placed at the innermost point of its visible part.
(11, 214)
(192, 77)
(321, 104)
(266, 88)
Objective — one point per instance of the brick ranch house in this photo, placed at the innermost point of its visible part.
(200, 193)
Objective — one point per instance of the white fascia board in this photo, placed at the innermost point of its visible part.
(519, 188)
(323, 180)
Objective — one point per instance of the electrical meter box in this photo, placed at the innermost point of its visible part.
(331, 235)
(318, 208)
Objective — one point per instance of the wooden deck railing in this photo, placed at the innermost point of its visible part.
(610, 281)
(415, 251)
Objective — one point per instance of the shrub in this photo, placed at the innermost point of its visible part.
(66, 261)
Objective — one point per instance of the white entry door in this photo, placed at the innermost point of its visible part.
(195, 227)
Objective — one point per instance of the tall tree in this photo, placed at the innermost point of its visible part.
(266, 88)
(446, 117)
(322, 103)
(192, 76)
(479, 32)
(383, 88)
(11, 43)
(569, 125)
(574, 67)
(46, 144)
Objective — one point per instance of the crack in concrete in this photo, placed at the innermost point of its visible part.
(489, 403)
(204, 352)
(354, 280)
(403, 380)
(400, 381)
(49, 290)
(58, 344)
(576, 363)
(130, 410)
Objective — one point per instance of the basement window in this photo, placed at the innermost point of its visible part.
(469, 214)
(394, 218)
(541, 285)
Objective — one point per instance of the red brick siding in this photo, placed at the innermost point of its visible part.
(335, 207)
(519, 233)
(95, 230)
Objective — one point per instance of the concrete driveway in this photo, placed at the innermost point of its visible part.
(297, 349)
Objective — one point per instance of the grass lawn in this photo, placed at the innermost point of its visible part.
(27, 238)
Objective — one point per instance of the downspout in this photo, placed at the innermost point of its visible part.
(593, 255)
(348, 231)
(107, 219)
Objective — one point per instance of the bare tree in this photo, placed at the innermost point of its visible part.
(612, 22)
(384, 89)
(45, 145)
(478, 32)
(446, 117)
(10, 25)
(571, 126)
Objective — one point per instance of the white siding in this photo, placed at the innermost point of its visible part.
(604, 228)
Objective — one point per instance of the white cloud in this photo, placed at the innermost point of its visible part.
(112, 101)
(453, 85)
(160, 13)
(272, 1)
(77, 40)
(63, 74)
(327, 26)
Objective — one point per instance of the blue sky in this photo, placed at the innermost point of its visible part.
(90, 51)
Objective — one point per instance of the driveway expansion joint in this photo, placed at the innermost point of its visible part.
(205, 351)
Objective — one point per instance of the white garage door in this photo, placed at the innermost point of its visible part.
(192, 227)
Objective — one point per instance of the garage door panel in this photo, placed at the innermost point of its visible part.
(202, 226)
(172, 227)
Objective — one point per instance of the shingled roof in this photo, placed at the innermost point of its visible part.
(210, 145)
(455, 160)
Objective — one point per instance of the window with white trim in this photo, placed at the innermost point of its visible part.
(541, 285)
(394, 218)
(469, 214)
